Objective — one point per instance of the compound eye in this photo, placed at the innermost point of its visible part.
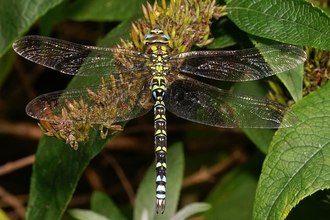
(147, 36)
(166, 36)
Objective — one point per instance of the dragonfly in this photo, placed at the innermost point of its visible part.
(158, 79)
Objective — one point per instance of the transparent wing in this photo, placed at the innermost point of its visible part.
(68, 57)
(103, 105)
(205, 104)
(240, 65)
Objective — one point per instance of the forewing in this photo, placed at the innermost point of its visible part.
(205, 104)
(240, 65)
(76, 59)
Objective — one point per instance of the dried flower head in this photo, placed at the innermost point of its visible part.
(186, 22)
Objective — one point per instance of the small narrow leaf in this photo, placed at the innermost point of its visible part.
(190, 210)
(292, 79)
(102, 204)
(81, 214)
(298, 162)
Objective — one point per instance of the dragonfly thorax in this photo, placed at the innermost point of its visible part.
(156, 42)
(157, 45)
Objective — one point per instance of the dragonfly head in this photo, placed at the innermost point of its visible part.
(156, 35)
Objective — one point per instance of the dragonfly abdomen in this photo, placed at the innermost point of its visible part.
(160, 153)
(158, 89)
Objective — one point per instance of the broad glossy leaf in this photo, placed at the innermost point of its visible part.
(16, 17)
(104, 10)
(298, 163)
(56, 172)
(288, 21)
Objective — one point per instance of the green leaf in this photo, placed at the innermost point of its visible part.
(86, 215)
(288, 21)
(104, 10)
(225, 34)
(298, 162)
(16, 17)
(6, 63)
(53, 16)
(102, 204)
(56, 172)
(260, 137)
(113, 38)
(233, 197)
(58, 167)
(145, 207)
(292, 79)
(190, 210)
